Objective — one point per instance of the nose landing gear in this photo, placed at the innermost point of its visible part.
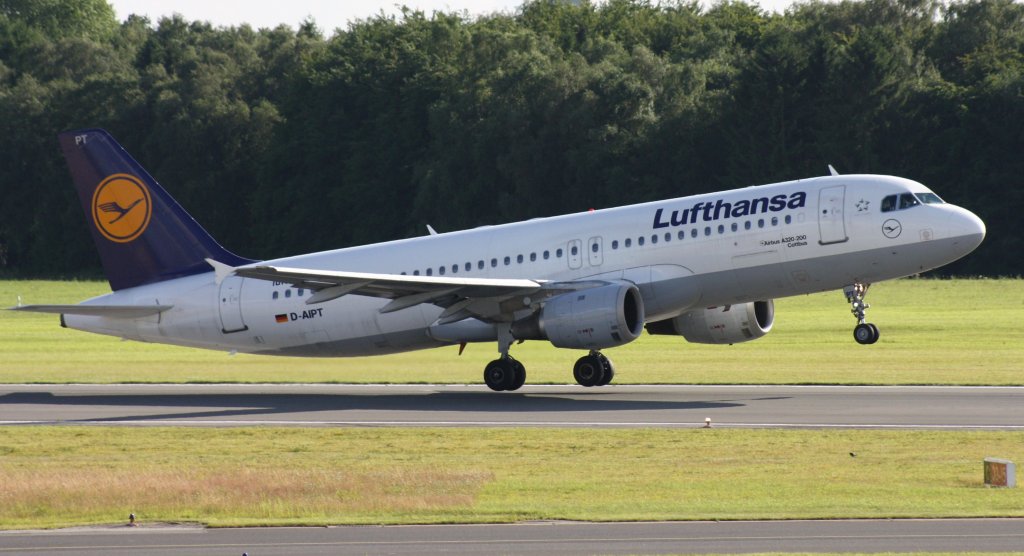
(864, 333)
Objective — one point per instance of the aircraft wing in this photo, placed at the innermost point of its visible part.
(461, 297)
(112, 311)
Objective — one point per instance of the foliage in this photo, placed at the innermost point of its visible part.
(283, 140)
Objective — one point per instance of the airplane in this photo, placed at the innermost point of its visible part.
(705, 267)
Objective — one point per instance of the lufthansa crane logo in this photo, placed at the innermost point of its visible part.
(121, 207)
(891, 228)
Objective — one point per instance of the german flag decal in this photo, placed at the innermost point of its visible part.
(283, 317)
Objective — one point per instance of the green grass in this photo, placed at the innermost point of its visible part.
(933, 332)
(59, 476)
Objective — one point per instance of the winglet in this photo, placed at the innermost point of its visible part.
(220, 270)
(832, 170)
(431, 229)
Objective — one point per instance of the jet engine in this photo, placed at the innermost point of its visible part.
(596, 318)
(727, 324)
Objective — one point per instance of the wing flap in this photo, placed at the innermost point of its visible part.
(112, 311)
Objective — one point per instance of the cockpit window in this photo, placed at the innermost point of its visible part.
(929, 199)
(908, 200)
(889, 203)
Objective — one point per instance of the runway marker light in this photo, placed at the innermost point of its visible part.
(131, 520)
(707, 422)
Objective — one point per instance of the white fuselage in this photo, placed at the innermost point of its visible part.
(706, 250)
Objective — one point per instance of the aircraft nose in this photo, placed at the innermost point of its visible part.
(967, 227)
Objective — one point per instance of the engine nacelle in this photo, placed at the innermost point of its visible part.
(596, 318)
(728, 324)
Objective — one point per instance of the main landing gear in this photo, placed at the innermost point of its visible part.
(593, 369)
(504, 374)
(507, 374)
(865, 333)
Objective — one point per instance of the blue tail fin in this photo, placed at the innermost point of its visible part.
(143, 235)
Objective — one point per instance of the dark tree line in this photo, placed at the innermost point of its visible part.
(283, 140)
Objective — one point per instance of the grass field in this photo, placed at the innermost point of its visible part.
(56, 476)
(933, 332)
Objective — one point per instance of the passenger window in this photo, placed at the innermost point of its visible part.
(440, 271)
(735, 226)
(707, 230)
(469, 266)
(274, 296)
(430, 272)
(654, 238)
(760, 222)
(693, 232)
(547, 255)
(533, 257)
(746, 225)
(480, 265)
(721, 229)
(287, 293)
(640, 241)
(558, 253)
(455, 269)
(789, 219)
(629, 242)
(907, 200)
(519, 259)
(593, 247)
(575, 250)
(615, 244)
(682, 234)
(508, 261)
(494, 263)
(301, 292)
(668, 236)
(889, 203)
(775, 221)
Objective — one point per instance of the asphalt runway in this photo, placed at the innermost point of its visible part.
(951, 535)
(558, 406)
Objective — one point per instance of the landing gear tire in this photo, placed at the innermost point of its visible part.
(609, 371)
(865, 333)
(520, 375)
(504, 374)
(593, 369)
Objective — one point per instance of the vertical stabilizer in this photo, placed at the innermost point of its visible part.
(143, 235)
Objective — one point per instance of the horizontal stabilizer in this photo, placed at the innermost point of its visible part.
(112, 311)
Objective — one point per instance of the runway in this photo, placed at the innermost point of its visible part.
(913, 407)
(952, 535)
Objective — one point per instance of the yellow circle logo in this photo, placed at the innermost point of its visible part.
(121, 208)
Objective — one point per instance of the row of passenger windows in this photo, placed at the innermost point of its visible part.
(595, 246)
(288, 293)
